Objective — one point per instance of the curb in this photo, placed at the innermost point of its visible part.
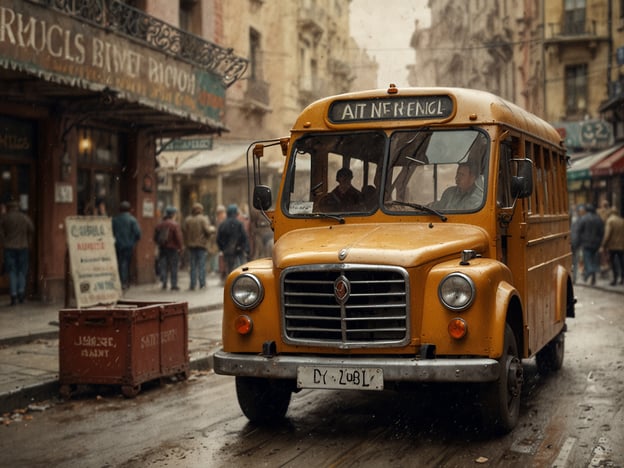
(601, 288)
(48, 389)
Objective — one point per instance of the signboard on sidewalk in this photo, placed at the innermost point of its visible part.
(92, 259)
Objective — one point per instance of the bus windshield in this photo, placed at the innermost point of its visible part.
(356, 173)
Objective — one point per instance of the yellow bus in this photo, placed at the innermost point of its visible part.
(420, 235)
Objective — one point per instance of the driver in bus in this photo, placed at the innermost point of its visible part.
(345, 197)
(465, 195)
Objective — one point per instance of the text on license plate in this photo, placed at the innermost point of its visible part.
(361, 378)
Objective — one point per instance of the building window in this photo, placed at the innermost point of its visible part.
(186, 14)
(576, 90)
(574, 17)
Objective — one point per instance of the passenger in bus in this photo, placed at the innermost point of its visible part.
(465, 195)
(345, 197)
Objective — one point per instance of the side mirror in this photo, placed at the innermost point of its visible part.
(522, 181)
(262, 197)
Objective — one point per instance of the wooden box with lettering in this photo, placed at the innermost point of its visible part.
(126, 344)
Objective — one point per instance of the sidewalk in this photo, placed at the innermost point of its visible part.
(29, 338)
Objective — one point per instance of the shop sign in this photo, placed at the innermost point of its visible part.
(586, 134)
(188, 144)
(93, 261)
(60, 48)
(16, 137)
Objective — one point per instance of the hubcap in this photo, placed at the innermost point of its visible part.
(515, 376)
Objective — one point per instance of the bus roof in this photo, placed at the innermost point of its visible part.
(470, 107)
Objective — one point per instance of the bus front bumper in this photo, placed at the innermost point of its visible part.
(395, 369)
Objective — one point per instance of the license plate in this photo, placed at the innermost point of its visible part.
(360, 378)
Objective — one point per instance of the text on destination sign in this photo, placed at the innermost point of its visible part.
(412, 107)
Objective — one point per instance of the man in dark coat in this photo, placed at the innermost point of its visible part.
(168, 236)
(232, 240)
(590, 233)
(16, 235)
(127, 233)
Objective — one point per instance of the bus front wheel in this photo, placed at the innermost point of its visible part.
(263, 400)
(500, 400)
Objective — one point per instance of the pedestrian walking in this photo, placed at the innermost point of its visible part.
(16, 234)
(168, 237)
(613, 243)
(603, 210)
(232, 240)
(590, 234)
(578, 213)
(262, 244)
(218, 264)
(127, 233)
(197, 232)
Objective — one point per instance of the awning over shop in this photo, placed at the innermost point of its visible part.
(222, 153)
(612, 164)
(581, 168)
(102, 68)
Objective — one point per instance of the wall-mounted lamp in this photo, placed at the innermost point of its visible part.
(84, 146)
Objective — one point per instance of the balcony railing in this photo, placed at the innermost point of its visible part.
(573, 28)
(258, 91)
(123, 19)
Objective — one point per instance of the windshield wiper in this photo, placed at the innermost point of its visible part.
(338, 218)
(420, 207)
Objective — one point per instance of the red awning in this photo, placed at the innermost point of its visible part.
(612, 164)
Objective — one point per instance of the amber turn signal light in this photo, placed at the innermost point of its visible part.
(243, 324)
(457, 328)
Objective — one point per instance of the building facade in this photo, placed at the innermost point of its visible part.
(556, 58)
(87, 88)
(298, 51)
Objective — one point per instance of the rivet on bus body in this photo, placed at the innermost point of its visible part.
(243, 324)
(457, 328)
(472, 116)
(307, 124)
(342, 254)
(392, 89)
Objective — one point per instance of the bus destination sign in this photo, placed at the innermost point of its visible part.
(395, 108)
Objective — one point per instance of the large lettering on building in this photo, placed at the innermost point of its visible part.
(41, 41)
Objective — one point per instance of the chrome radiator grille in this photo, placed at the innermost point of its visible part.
(345, 306)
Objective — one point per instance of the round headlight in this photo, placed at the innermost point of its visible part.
(247, 291)
(456, 291)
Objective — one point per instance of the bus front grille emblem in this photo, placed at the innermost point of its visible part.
(342, 289)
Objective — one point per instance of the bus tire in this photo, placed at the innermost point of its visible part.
(500, 400)
(550, 357)
(262, 400)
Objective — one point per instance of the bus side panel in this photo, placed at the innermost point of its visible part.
(548, 257)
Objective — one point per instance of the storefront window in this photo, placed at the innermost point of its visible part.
(100, 162)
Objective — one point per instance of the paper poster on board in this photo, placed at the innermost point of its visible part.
(93, 261)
